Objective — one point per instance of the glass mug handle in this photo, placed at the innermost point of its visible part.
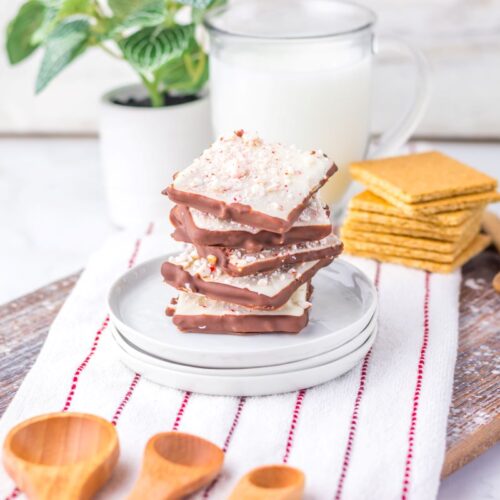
(392, 139)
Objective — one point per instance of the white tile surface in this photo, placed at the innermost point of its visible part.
(52, 210)
(53, 215)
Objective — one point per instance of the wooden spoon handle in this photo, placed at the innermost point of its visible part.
(491, 224)
(148, 487)
(496, 282)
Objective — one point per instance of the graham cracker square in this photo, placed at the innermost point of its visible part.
(380, 223)
(479, 243)
(421, 177)
(409, 246)
(367, 201)
(359, 225)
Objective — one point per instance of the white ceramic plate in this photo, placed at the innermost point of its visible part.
(344, 301)
(326, 357)
(247, 385)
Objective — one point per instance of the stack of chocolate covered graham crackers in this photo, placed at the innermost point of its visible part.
(257, 233)
(422, 210)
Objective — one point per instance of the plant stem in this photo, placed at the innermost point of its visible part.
(153, 91)
(110, 52)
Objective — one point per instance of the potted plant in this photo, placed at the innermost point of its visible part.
(148, 130)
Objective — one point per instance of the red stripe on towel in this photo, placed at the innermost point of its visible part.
(355, 413)
(125, 399)
(83, 364)
(227, 442)
(180, 412)
(13, 494)
(76, 376)
(236, 419)
(293, 424)
(418, 388)
(104, 325)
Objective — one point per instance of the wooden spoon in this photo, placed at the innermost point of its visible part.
(175, 465)
(491, 225)
(61, 455)
(270, 482)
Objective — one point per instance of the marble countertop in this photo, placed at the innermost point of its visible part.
(53, 216)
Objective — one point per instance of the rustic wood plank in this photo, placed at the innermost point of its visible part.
(474, 420)
(24, 324)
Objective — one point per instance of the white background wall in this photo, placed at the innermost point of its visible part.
(460, 37)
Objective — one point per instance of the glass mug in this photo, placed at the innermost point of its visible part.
(300, 72)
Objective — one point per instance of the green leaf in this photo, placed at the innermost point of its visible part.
(71, 7)
(150, 48)
(137, 13)
(197, 4)
(21, 29)
(65, 43)
(187, 73)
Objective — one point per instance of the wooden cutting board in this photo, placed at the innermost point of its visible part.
(474, 420)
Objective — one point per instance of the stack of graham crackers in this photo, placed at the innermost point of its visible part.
(422, 210)
(257, 233)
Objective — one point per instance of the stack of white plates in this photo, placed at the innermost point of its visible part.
(341, 330)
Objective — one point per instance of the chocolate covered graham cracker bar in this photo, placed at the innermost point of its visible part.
(201, 228)
(237, 262)
(243, 178)
(189, 272)
(199, 314)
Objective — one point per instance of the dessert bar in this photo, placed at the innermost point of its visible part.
(237, 262)
(243, 178)
(192, 273)
(201, 228)
(198, 314)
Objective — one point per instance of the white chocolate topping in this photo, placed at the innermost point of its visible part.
(193, 304)
(315, 214)
(271, 178)
(241, 259)
(269, 284)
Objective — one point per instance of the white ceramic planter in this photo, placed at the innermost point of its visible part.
(141, 148)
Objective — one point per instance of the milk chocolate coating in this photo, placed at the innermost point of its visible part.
(177, 277)
(241, 324)
(186, 230)
(243, 213)
(269, 264)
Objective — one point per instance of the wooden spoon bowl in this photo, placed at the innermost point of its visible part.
(270, 482)
(176, 464)
(61, 455)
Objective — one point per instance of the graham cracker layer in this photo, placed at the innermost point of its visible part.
(479, 243)
(378, 223)
(442, 251)
(370, 202)
(402, 231)
(421, 177)
(466, 201)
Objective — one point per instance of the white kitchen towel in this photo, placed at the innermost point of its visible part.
(376, 432)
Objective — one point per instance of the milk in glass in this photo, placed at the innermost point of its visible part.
(318, 99)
